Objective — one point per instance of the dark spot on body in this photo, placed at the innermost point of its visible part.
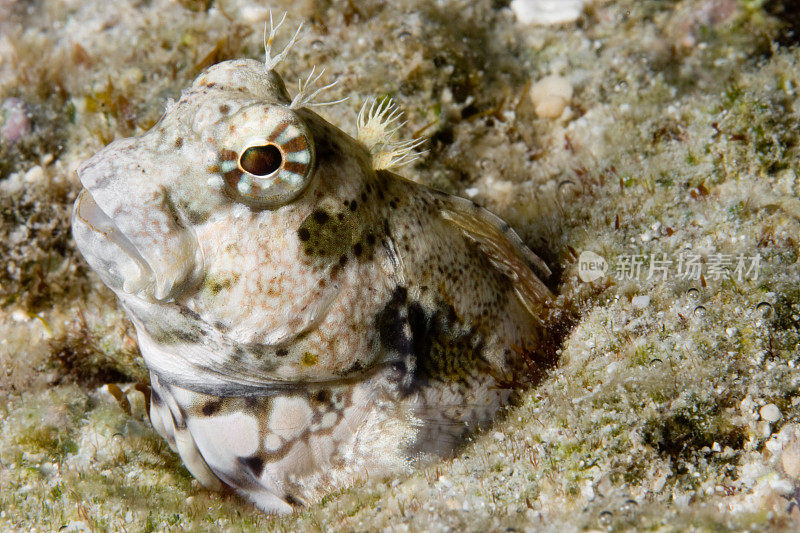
(254, 463)
(178, 142)
(303, 234)
(321, 396)
(392, 321)
(343, 260)
(364, 196)
(401, 367)
(320, 216)
(224, 109)
(281, 352)
(211, 407)
(357, 249)
(370, 239)
(353, 205)
(418, 322)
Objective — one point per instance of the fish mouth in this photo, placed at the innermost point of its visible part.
(109, 252)
(128, 228)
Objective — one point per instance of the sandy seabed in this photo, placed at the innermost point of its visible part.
(660, 136)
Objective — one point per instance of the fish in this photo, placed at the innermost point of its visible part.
(307, 315)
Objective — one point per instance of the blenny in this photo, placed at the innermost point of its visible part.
(307, 316)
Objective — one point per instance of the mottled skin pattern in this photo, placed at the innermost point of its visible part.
(340, 325)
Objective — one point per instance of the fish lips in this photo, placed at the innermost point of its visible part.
(128, 230)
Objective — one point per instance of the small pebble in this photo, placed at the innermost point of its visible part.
(551, 96)
(640, 302)
(770, 413)
(15, 120)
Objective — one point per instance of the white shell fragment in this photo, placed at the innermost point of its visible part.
(547, 12)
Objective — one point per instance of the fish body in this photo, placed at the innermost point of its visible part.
(306, 317)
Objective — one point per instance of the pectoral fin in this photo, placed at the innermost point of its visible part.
(503, 248)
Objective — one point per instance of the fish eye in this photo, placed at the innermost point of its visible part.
(269, 156)
(261, 160)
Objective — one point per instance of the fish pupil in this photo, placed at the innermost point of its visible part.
(261, 160)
